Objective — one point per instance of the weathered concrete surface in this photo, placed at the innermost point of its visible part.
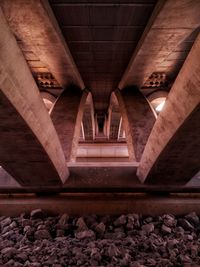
(101, 204)
(88, 119)
(113, 118)
(172, 152)
(66, 115)
(30, 148)
(171, 23)
(7, 181)
(34, 24)
(138, 119)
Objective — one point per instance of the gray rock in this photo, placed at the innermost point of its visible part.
(37, 214)
(133, 221)
(165, 229)
(6, 222)
(42, 234)
(13, 225)
(194, 251)
(113, 251)
(81, 225)
(9, 263)
(193, 218)
(120, 221)
(32, 264)
(60, 233)
(88, 234)
(169, 220)
(64, 219)
(148, 228)
(185, 224)
(100, 229)
(172, 243)
(21, 257)
(8, 252)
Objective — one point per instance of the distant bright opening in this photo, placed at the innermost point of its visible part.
(47, 103)
(160, 106)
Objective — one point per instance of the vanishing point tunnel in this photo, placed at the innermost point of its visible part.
(99, 113)
(91, 90)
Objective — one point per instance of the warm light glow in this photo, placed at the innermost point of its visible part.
(47, 103)
(160, 106)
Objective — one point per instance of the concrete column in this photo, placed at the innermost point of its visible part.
(88, 120)
(29, 146)
(138, 119)
(96, 126)
(66, 115)
(172, 153)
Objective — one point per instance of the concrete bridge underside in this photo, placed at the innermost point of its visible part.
(101, 64)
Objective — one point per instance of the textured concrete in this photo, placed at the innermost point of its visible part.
(172, 23)
(138, 119)
(34, 24)
(101, 36)
(98, 203)
(29, 146)
(88, 119)
(172, 152)
(66, 115)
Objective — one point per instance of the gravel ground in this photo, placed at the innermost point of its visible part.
(36, 240)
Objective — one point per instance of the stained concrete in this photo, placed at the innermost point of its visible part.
(66, 115)
(172, 25)
(172, 153)
(29, 146)
(138, 119)
(34, 24)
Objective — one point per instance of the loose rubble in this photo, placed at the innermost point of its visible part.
(37, 240)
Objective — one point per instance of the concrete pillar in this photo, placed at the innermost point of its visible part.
(172, 153)
(29, 146)
(88, 120)
(138, 119)
(96, 126)
(114, 116)
(66, 115)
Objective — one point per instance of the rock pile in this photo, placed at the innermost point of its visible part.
(133, 240)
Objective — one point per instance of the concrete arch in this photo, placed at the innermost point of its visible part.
(172, 152)
(29, 147)
(48, 99)
(138, 119)
(88, 120)
(157, 98)
(67, 114)
(114, 118)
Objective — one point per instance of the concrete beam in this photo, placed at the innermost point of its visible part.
(164, 32)
(172, 153)
(138, 119)
(82, 204)
(34, 24)
(67, 114)
(30, 148)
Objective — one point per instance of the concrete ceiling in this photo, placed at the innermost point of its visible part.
(104, 45)
(102, 36)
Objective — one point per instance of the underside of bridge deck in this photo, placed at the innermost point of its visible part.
(99, 96)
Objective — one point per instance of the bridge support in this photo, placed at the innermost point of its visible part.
(172, 153)
(138, 119)
(29, 146)
(67, 114)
